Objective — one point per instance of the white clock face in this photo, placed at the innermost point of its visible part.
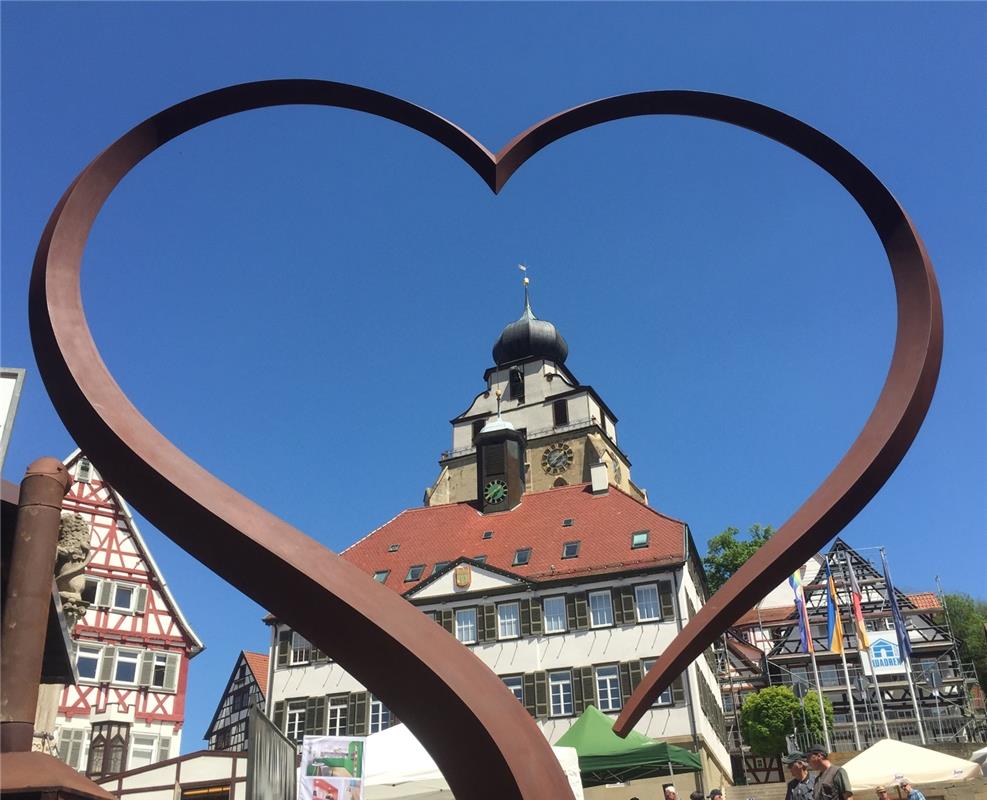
(557, 458)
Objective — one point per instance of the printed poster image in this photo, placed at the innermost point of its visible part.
(332, 768)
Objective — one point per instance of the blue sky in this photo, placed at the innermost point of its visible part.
(302, 298)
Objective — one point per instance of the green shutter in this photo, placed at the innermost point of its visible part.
(536, 623)
(315, 716)
(106, 664)
(318, 656)
(104, 594)
(171, 671)
(582, 612)
(358, 716)
(665, 600)
(625, 607)
(528, 691)
(678, 691)
(570, 611)
(486, 623)
(279, 715)
(636, 671)
(284, 648)
(141, 605)
(145, 668)
(525, 606)
(541, 694)
(625, 681)
(448, 620)
(579, 699)
(583, 678)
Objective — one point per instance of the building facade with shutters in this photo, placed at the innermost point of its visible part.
(246, 687)
(536, 551)
(132, 646)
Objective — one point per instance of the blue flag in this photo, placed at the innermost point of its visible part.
(904, 643)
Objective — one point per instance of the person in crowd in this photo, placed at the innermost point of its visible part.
(670, 793)
(716, 794)
(909, 791)
(881, 792)
(697, 796)
(832, 782)
(800, 786)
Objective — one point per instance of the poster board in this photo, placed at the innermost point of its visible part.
(883, 657)
(332, 768)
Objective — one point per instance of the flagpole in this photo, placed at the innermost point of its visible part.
(863, 646)
(822, 708)
(899, 621)
(846, 671)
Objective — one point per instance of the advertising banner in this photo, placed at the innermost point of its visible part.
(332, 768)
(883, 657)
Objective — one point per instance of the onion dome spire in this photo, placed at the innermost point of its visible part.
(529, 337)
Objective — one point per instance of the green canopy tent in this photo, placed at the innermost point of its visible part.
(606, 758)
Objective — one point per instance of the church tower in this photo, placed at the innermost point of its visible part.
(532, 411)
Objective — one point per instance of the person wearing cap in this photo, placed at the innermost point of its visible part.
(716, 793)
(911, 793)
(881, 792)
(832, 782)
(670, 793)
(800, 786)
(697, 796)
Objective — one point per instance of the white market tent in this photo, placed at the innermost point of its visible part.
(888, 761)
(980, 756)
(397, 767)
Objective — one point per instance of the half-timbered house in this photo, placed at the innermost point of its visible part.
(132, 646)
(245, 688)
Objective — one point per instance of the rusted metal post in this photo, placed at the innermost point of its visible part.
(25, 610)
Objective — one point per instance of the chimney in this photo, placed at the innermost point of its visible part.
(599, 476)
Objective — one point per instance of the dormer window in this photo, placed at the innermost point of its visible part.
(639, 539)
(414, 573)
(567, 523)
(516, 383)
(522, 556)
(570, 550)
(393, 548)
(488, 534)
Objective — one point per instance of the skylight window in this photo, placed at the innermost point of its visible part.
(639, 539)
(522, 556)
(415, 572)
(570, 550)
(567, 523)
(393, 548)
(381, 575)
(439, 566)
(480, 559)
(488, 534)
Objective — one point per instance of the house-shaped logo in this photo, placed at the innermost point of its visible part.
(884, 653)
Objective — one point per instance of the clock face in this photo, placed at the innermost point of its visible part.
(557, 458)
(495, 492)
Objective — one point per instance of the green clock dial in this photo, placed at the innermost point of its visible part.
(495, 492)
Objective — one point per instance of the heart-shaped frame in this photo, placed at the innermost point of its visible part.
(482, 739)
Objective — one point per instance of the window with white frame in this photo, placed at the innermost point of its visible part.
(560, 693)
(125, 669)
(338, 710)
(73, 745)
(608, 688)
(646, 602)
(142, 748)
(301, 649)
(553, 614)
(124, 595)
(508, 621)
(516, 684)
(466, 625)
(380, 716)
(665, 698)
(600, 609)
(87, 661)
(295, 720)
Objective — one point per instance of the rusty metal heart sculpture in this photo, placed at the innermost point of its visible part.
(482, 739)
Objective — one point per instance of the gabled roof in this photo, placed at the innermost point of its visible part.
(145, 553)
(602, 523)
(479, 566)
(258, 663)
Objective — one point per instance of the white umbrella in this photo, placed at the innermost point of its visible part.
(980, 757)
(888, 761)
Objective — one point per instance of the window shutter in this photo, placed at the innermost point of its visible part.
(104, 594)
(626, 605)
(541, 694)
(486, 621)
(315, 716)
(678, 691)
(318, 656)
(449, 620)
(140, 605)
(171, 671)
(525, 617)
(528, 692)
(636, 671)
(665, 600)
(582, 612)
(279, 715)
(584, 678)
(357, 716)
(536, 623)
(570, 611)
(106, 664)
(625, 681)
(164, 748)
(145, 668)
(284, 648)
(579, 699)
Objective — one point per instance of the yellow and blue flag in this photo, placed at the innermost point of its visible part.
(833, 614)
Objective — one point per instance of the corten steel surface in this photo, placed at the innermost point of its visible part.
(26, 606)
(482, 739)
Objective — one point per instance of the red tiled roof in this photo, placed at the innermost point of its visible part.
(766, 615)
(603, 524)
(258, 663)
(925, 600)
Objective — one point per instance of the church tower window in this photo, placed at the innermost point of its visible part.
(516, 378)
(560, 413)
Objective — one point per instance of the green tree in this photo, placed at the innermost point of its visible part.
(967, 617)
(725, 553)
(768, 716)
